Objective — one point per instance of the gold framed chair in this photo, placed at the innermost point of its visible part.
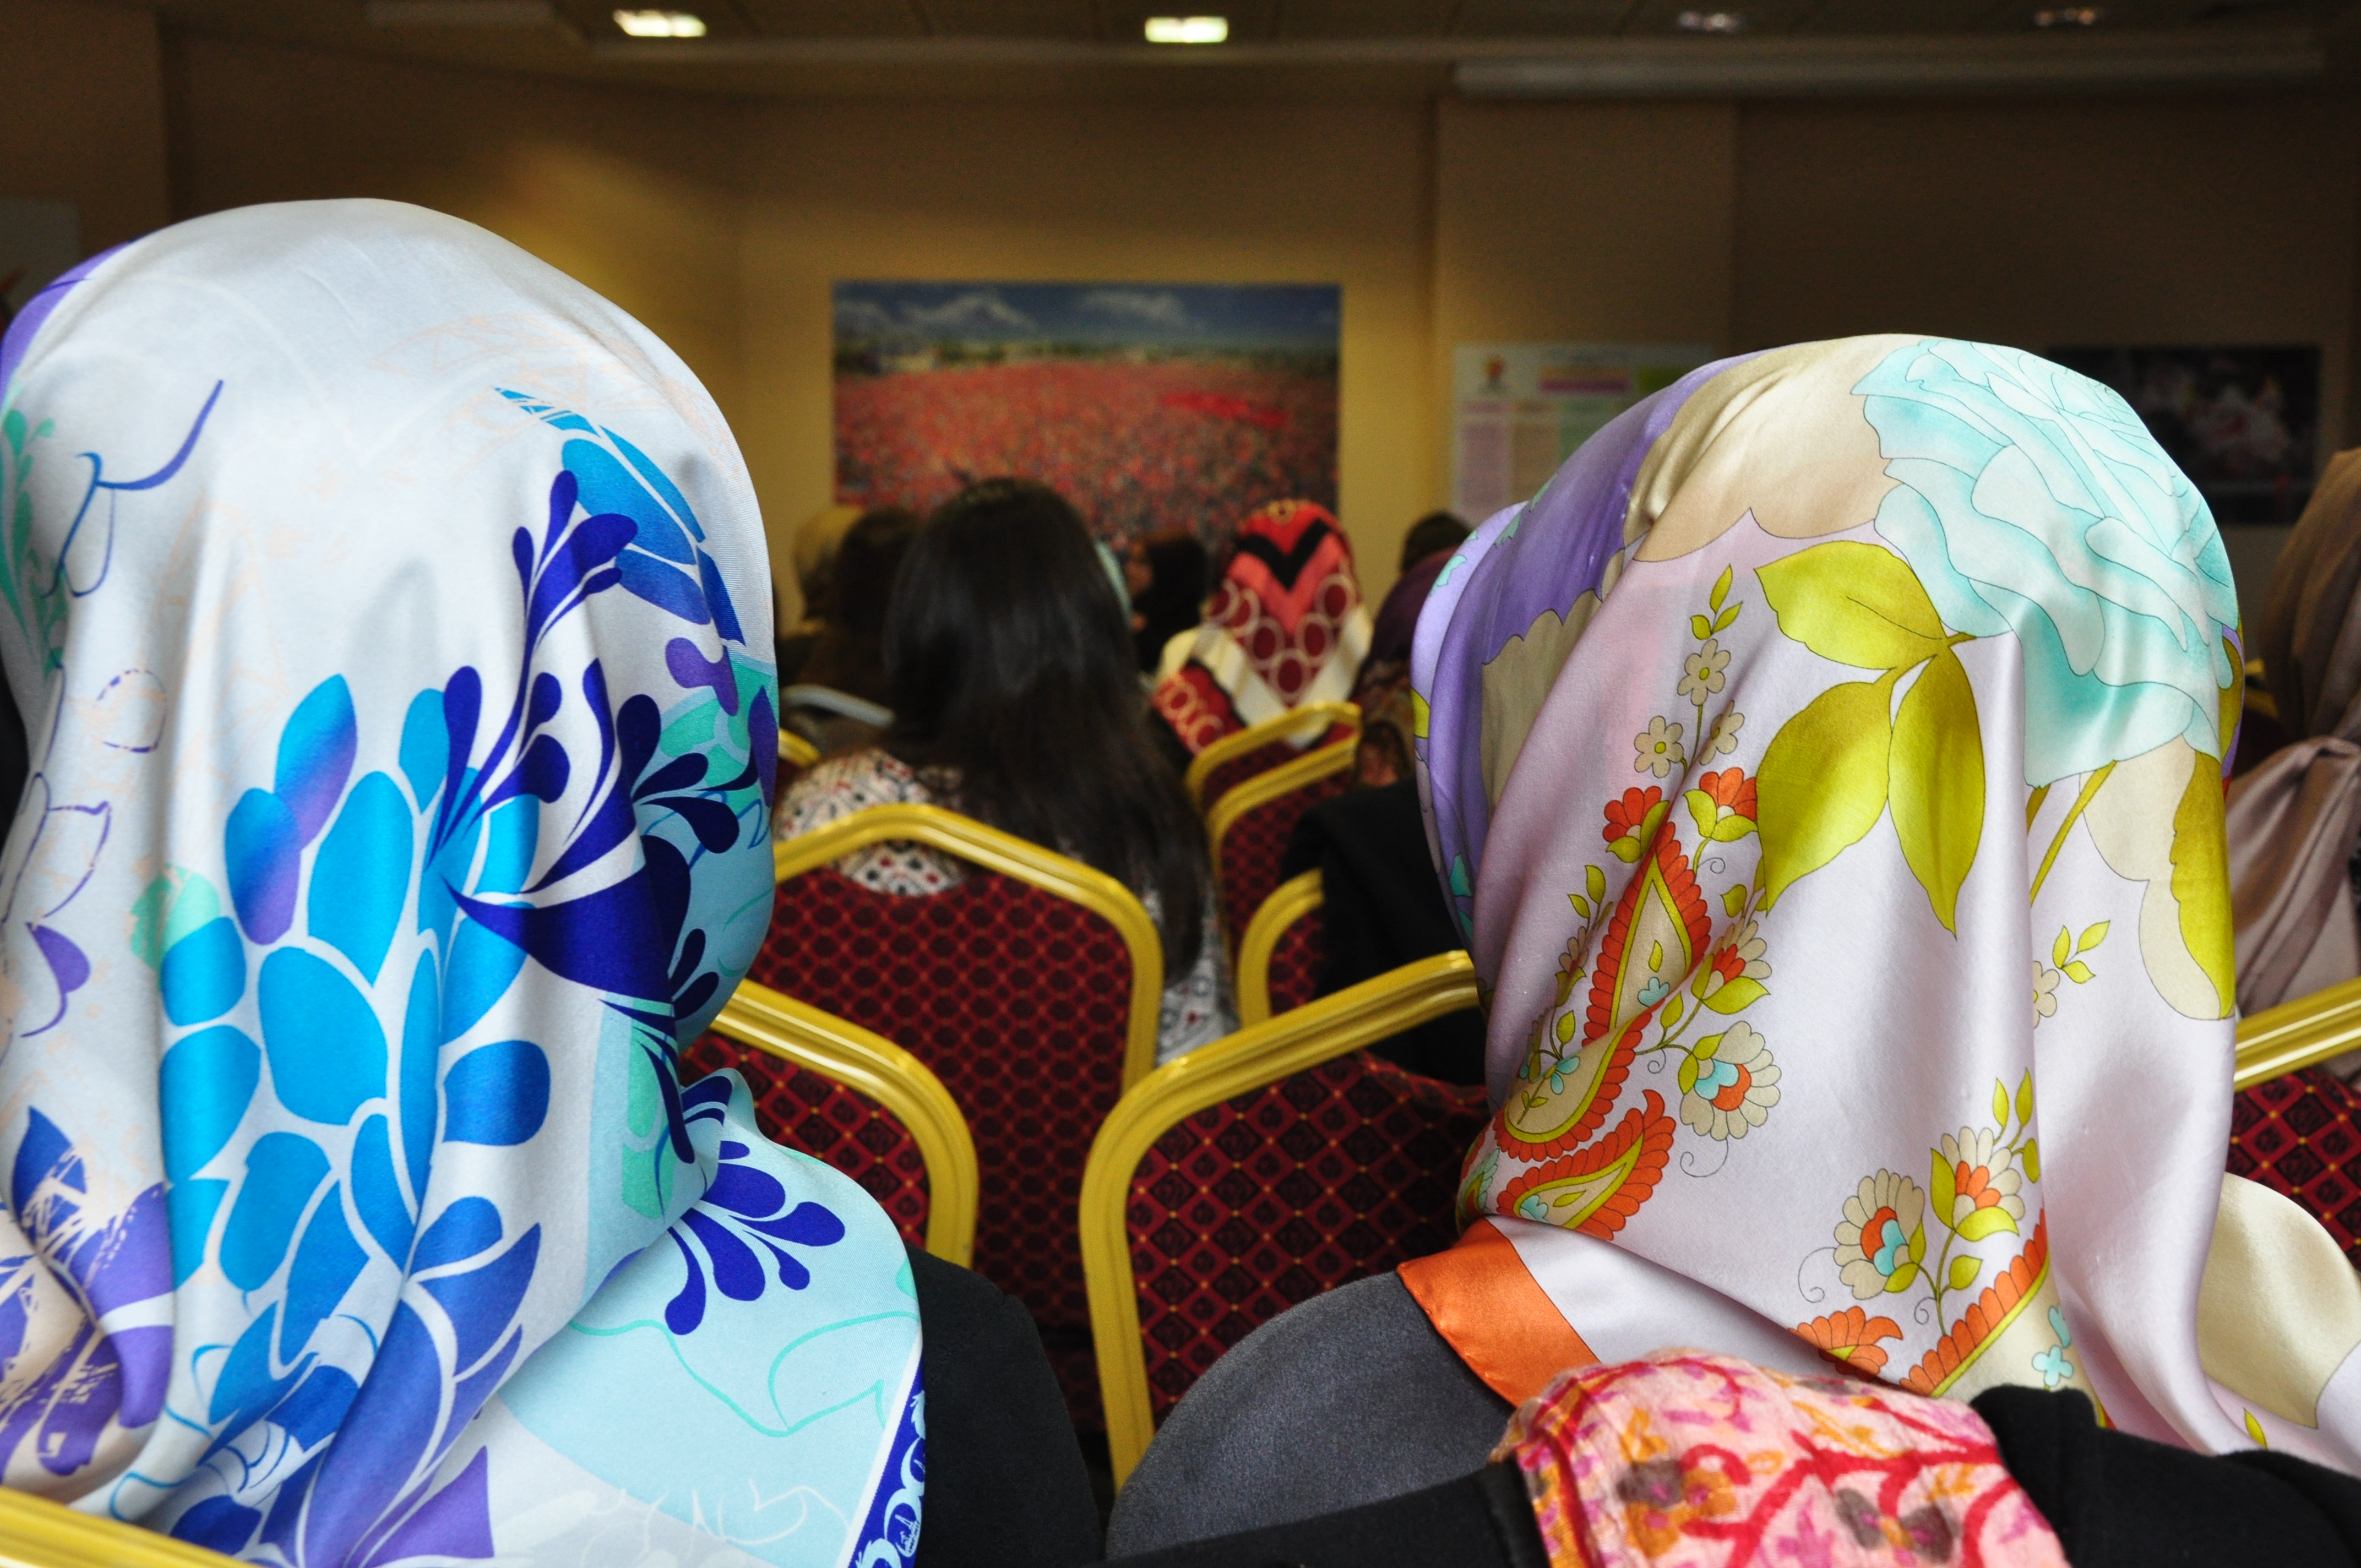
(1278, 955)
(1248, 827)
(1253, 1067)
(1235, 758)
(38, 1533)
(2299, 1034)
(844, 1053)
(798, 752)
(1021, 859)
(1032, 991)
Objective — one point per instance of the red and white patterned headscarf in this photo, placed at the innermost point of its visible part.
(1285, 628)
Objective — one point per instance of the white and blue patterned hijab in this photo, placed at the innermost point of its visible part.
(388, 616)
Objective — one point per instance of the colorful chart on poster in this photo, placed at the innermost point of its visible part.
(1520, 409)
(1151, 406)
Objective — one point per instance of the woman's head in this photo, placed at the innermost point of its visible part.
(1008, 659)
(848, 654)
(1174, 595)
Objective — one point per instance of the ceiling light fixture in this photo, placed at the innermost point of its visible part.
(1188, 30)
(2069, 16)
(660, 24)
(1712, 22)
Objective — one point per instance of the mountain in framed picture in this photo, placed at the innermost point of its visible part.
(1151, 406)
(2243, 422)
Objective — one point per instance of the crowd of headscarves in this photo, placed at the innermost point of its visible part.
(387, 615)
(1825, 770)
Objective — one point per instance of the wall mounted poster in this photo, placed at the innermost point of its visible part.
(2244, 423)
(1519, 410)
(1150, 406)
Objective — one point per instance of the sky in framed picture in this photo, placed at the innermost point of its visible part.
(1150, 406)
(2243, 422)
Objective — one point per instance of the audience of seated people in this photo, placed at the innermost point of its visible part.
(1007, 665)
(1775, 1249)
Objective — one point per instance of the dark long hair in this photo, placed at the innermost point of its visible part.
(1175, 596)
(1008, 658)
(847, 655)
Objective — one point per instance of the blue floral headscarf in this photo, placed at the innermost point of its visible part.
(387, 615)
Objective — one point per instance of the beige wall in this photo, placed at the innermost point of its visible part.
(721, 222)
(1599, 223)
(1335, 194)
(82, 113)
(629, 191)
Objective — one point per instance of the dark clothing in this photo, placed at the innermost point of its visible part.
(2120, 1501)
(1481, 1520)
(1004, 1477)
(1342, 1401)
(1381, 908)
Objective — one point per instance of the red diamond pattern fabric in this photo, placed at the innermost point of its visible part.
(1019, 1001)
(2301, 1134)
(1253, 846)
(1295, 963)
(1244, 1210)
(840, 1126)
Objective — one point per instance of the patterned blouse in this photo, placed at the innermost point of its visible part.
(1199, 1007)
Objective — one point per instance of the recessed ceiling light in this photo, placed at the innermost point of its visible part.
(1188, 30)
(2069, 16)
(1712, 21)
(661, 23)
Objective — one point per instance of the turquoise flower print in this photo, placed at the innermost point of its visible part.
(2032, 501)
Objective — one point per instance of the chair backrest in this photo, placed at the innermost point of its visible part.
(2294, 1126)
(1032, 990)
(794, 753)
(1259, 1171)
(38, 1533)
(1279, 957)
(855, 1100)
(1249, 826)
(1258, 748)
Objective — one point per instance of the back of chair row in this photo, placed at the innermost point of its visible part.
(1235, 757)
(1031, 989)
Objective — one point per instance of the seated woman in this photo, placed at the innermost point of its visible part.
(1286, 627)
(1166, 575)
(357, 1215)
(1007, 657)
(839, 701)
(1825, 770)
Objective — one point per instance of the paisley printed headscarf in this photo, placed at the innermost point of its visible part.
(1826, 767)
(387, 613)
(1286, 627)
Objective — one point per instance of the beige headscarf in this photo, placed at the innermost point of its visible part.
(2293, 820)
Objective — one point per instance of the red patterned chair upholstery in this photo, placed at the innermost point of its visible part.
(1267, 1168)
(2295, 1126)
(1250, 828)
(2301, 1134)
(1241, 755)
(1283, 951)
(855, 1102)
(1031, 988)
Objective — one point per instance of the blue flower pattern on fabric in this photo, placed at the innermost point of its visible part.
(321, 868)
(2032, 500)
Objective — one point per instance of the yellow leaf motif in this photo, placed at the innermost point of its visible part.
(1594, 881)
(2079, 973)
(2057, 948)
(2092, 938)
(2024, 1102)
(2201, 879)
(1734, 900)
(2000, 1105)
(2255, 1430)
(1856, 604)
(1700, 628)
(1581, 904)
(1965, 1269)
(2030, 1157)
(1720, 587)
(1937, 781)
(1822, 783)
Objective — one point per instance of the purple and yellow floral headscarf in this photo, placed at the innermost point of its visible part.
(1826, 767)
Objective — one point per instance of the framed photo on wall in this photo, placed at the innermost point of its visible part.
(1150, 406)
(2243, 422)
